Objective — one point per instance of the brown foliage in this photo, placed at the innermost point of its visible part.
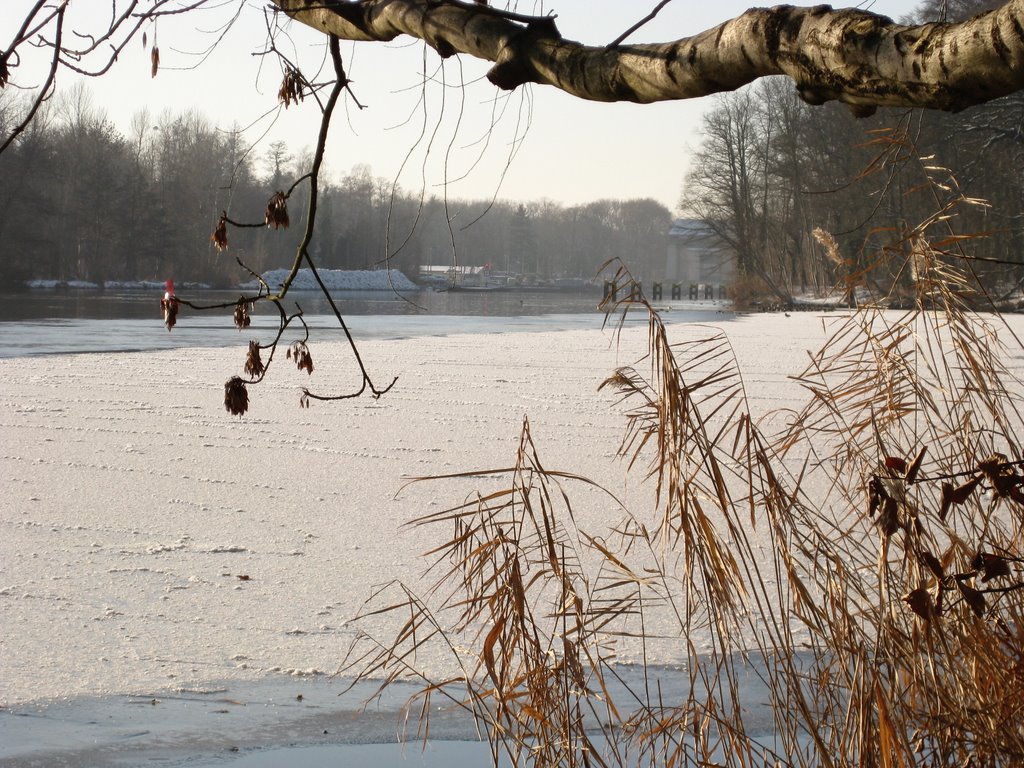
(299, 352)
(290, 91)
(253, 364)
(236, 396)
(277, 211)
(220, 233)
(241, 314)
(169, 307)
(899, 649)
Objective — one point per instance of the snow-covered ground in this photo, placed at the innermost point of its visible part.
(155, 549)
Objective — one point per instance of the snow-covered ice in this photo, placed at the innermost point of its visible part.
(341, 280)
(152, 545)
(134, 503)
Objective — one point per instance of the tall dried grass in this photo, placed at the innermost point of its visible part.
(883, 621)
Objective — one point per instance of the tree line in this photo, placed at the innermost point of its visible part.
(771, 169)
(83, 200)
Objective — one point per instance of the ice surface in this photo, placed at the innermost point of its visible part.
(152, 546)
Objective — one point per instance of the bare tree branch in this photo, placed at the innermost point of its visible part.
(859, 58)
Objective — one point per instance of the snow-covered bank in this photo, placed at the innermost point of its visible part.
(334, 279)
(109, 285)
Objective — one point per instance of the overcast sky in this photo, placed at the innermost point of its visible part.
(544, 143)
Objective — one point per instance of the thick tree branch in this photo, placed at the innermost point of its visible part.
(853, 56)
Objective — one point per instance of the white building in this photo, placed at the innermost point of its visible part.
(698, 256)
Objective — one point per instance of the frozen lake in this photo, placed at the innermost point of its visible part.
(50, 322)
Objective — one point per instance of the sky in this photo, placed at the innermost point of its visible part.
(477, 142)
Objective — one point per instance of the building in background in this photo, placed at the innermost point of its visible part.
(697, 255)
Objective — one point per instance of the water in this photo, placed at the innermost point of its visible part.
(50, 322)
(315, 722)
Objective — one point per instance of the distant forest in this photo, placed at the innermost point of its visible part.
(81, 199)
(772, 168)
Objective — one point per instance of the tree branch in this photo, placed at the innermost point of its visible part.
(852, 56)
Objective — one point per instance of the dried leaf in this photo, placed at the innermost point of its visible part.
(974, 598)
(991, 566)
(991, 465)
(896, 464)
(915, 467)
(155, 58)
(220, 234)
(947, 500)
(920, 602)
(933, 565)
(1003, 477)
(488, 652)
(958, 495)
(290, 91)
(961, 493)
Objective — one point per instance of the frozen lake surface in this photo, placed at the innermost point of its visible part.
(48, 322)
(134, 504)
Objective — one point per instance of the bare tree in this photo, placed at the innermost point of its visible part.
(859, 58)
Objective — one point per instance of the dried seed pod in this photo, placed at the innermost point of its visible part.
(277, 211)
(253, 364)
(236, 396)
(154, 57)
(169, 306)
(299, 352)
(241, 317)
(220, 234)
(290, 91)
